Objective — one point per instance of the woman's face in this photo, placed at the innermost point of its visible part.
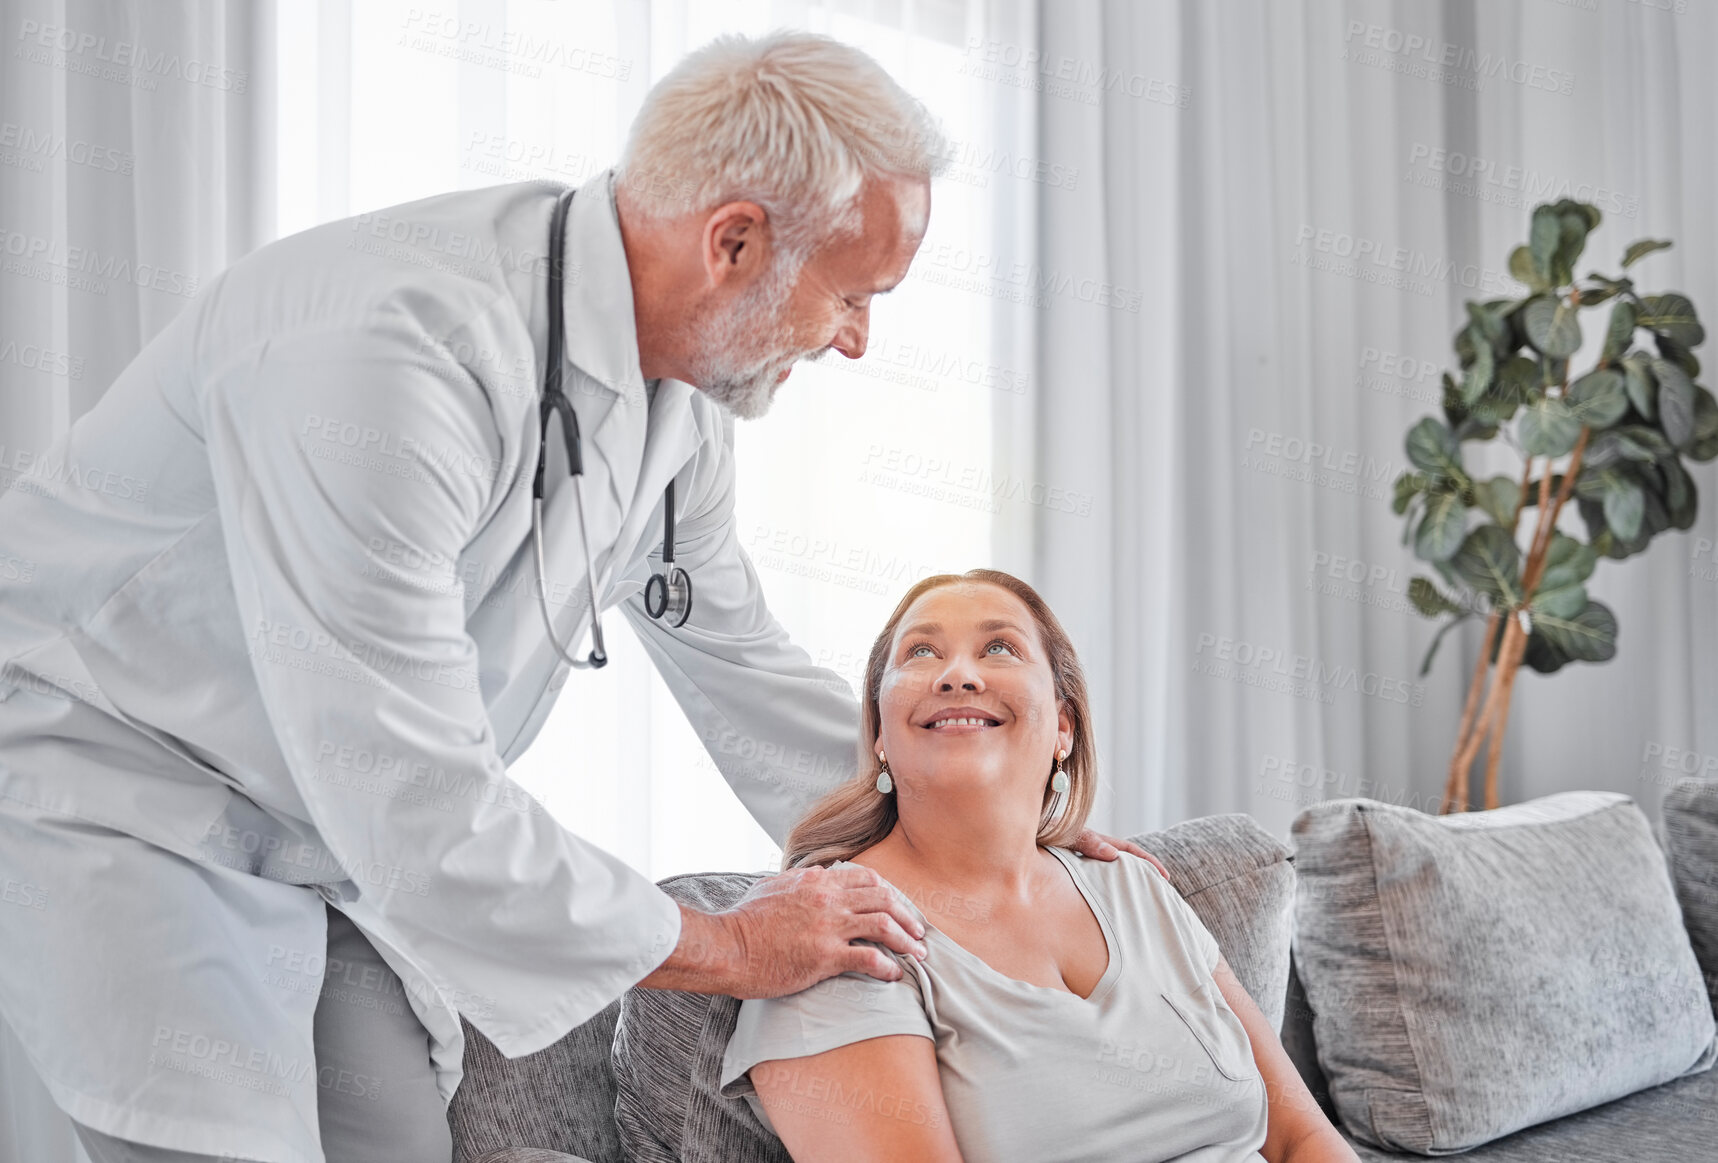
(971, 651)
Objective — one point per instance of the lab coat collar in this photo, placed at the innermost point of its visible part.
(601, 332)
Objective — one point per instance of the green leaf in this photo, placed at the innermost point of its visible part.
(1432, 650)
(1598, 399)
(1642, 388)
(1524, 270)
(1478, 376)
(1548, 428)
(1429, 600)
(1571, 241)
(1433, 449)
(1681, 356)
(1498, 498)
(1568, 562)
(1675, 402)
(1593, 296)
(1621, 331)
(1625, 505)
(1510, 388)
(1408, 485)
(1442, 527)
(1542, 240)
(1552, 326)
(1490, 562)
(1487, 319)
(1672, 315)
(1559, 601)
(1704, 446)
(1639, 250)
(1681, 498)
(1590, 636)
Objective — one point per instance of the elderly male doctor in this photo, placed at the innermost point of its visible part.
(257, 710)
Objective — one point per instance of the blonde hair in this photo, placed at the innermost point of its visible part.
(793, 121)
(856, 815)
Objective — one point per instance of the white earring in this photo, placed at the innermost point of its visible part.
(1059, 781)
(884, 783)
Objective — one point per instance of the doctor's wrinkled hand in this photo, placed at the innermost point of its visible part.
(789, 933)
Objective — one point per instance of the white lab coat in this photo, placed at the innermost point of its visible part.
(284, 570)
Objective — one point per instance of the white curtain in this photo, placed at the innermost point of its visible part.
(135, 162)
(1302, 193)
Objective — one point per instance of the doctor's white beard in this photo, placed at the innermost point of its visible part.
(744, 350)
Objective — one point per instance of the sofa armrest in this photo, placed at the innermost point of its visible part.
(526, 1155)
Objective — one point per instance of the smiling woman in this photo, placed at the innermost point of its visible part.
(1066, 1008)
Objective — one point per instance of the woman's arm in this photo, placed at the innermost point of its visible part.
(1297, 1131)
(867, 1102)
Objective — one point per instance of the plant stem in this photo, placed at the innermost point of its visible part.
(1455, 786)
(1515, 646)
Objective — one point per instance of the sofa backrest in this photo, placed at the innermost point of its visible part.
(1237, 877)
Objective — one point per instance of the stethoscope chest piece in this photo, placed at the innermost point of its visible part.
(669, 597)
(668, 594)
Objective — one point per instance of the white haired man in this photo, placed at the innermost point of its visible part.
(256, 714)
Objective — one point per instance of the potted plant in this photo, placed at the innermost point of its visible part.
(1620, 430)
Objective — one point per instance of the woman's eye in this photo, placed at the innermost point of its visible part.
(914, 652)
(1001, 643)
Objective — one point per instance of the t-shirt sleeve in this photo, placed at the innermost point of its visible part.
(837, 1011)
(1188, 928)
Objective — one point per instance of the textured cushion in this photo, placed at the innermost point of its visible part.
(1474, 974)
(560, 1098)
(1673, 1123)
(668, 1060)
(668, 1048)
(1691, 835)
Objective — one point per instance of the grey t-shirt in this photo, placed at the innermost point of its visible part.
(1154, 1065)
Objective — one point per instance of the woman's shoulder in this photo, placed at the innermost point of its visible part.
(1142, 901)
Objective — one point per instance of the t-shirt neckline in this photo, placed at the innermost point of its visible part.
(1106, 981)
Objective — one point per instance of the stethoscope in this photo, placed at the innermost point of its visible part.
(668, 595)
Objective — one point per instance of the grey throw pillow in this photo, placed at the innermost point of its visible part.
(1691, 834)
(1473, 974)
(668, 1046)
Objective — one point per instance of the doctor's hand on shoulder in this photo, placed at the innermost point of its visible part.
(790, 932)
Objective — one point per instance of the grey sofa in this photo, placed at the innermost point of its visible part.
(559, 1104)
